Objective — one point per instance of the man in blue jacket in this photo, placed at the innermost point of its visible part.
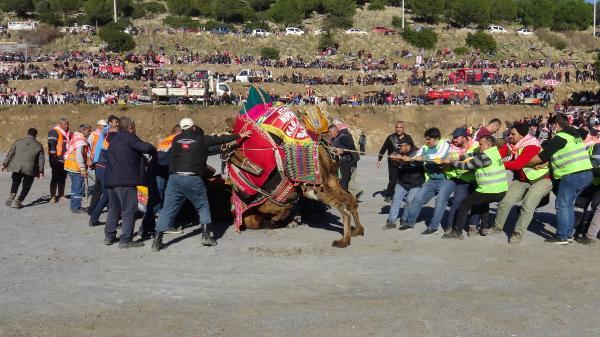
(125, 171)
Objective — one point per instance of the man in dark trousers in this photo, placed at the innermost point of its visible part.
(344, 147)
(124, 171)
(189, 152)
(58, 138)
(25, 160)
(390, 146)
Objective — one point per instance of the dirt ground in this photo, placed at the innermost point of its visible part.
(154, 122)
(58, 279)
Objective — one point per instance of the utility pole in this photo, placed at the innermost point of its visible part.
(403, 14)
(594, 28)
(115, 9)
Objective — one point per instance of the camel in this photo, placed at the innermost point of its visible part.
(328, 191)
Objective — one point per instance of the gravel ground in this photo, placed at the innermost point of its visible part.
(58, 279)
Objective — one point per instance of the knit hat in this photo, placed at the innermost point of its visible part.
(257, 104)
(522, 129)
(186, 123)
(458, 132)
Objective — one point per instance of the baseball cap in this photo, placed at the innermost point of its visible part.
(459, 132)
(186, 123)
(101, 122)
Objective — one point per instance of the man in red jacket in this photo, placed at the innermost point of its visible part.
(529, 185)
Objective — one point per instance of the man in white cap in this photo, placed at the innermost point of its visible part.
(186, 168)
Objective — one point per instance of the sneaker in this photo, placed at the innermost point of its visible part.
(472, 231)
(110, 241)
(585, 241)
(173, 230)
(490, 231)
(17, 204)
(405, 227)
(558, 241)
(453, 235)
(53, 200)
(429, 231)
(97, 223)
(387, 199)
(79, 210)
(132, 244)
(516, 237)
(389, 225)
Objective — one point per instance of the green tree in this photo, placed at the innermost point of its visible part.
(465, 12)
(537, 13)
(20, 7)
(339, 13)
(572, 15)
(100, 11)
(425, 38)
(428, 10)
(377, 5)
(116, 40)
(288, 11)
(504, 10)
(64, 7)
(260, 5)
(232, 11)
(182, 7)
(269, 53)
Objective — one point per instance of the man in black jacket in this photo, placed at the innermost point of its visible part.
(410, 177)
(189, 153)
(391, 146)
(124, 171)
(344, 146)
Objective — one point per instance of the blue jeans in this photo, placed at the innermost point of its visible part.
(180, 188)
(461, 191)
(161, 184)
(76, 190)
(399, 194)
(443, 189)
(569, 188)
(103, 201)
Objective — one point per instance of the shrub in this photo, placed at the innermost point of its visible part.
(51, 18)
(41, 36)
(181, 22)
(154, 7)
(257, 25)
(116, 40)
(326, 40)
(397, 21)
(552, 39)
(425, 38)
(461, 50)
(481, 41)
(377, 5)
(269, 53)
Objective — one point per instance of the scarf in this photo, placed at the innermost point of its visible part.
(528, 140)
(462, 151)
(77, 140)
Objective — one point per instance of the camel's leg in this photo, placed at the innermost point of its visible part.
(334, 200)
(358, 229)
(253, 221)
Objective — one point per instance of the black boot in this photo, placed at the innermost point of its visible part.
(207, 240)
(157, 244)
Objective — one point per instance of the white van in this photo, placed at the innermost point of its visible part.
(497, 29)
(23, 25)
(293, 31)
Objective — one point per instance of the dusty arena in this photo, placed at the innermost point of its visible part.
(59, 279)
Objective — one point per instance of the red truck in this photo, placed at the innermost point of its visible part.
(474, 76)
(451, 94)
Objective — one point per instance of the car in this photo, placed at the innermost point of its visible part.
(496, 29)
(384, 30)
(293, 31)
(356, 31)
(220, 30)
(524, 31)
(260, 32)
